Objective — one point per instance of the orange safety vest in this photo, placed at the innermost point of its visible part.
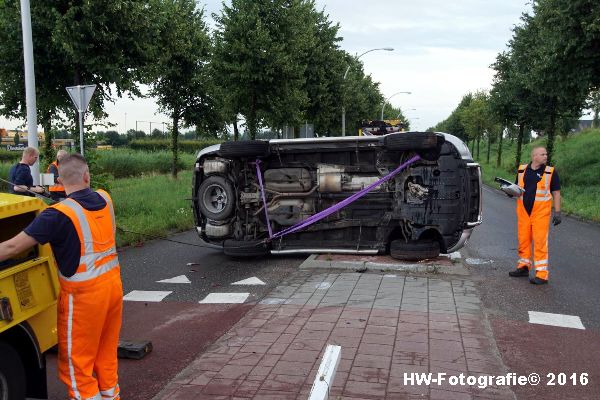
(91, 304)
(96, 232)
(542, 192)
(57, 187)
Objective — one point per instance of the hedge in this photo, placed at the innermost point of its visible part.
(186, 146)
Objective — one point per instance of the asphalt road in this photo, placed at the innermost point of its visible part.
(572, 290)
(178, 326)
(574, 253)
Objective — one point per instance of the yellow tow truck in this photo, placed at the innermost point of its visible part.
(29, 290)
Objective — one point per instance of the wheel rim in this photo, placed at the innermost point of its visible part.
(215, 198)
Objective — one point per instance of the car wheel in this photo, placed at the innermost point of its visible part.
(12, 374)
(216, 198)
(411, 141)
(245, 248)
(245, 148)
(414, 250)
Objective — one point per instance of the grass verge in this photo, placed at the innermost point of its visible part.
(156, 205)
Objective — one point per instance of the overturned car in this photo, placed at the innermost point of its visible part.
(411, 194)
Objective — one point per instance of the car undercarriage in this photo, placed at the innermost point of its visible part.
(427, 208)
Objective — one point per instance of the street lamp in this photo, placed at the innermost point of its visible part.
(386, 100)
(346, 73)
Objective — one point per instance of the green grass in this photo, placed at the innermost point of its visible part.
(155, 205)
(577, 159)
(124, 163)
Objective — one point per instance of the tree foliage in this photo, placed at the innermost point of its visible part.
(258, 57)
(182, 82)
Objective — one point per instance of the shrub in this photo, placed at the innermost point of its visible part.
(122, 163)
(186, 146)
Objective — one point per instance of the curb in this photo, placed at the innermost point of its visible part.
(427, 267)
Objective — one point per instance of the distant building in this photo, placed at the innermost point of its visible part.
(582, 124)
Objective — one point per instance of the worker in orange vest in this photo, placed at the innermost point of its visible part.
(541, 186)
(81, 231)
(57, 191)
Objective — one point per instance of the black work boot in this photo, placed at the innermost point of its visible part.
(519, 272)
(538, 281)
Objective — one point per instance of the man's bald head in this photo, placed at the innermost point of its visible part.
(61, 154)
(73, 170)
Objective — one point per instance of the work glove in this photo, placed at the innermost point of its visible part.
(557, 219)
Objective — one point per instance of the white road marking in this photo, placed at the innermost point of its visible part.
(177, 279)
(154, 296)
(225, 298)
(250, 281)
(565, 321)
(390, 276)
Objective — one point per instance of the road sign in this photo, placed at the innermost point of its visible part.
(81, 96)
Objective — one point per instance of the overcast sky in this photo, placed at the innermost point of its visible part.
(442, 50)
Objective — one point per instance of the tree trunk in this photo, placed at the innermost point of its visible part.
(551, 134)
(519, 145)
(489, 143)
(236, 132)
(500, 138)
(478, 144)
(252, 125)
(174, 139)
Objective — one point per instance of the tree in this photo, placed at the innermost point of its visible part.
(259, 47)
(362, 98)
(324, 73)
(182, 83)
(157, 133)
(105, 42)
(476, 118)
(594, 104)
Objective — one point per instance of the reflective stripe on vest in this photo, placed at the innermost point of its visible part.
(92, 263)
(57, 187)
(542, 192)
(543, 189)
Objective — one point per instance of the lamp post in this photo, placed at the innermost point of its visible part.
(386, 100)
(344, 79)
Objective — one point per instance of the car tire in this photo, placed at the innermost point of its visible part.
(411, 141)
(245, 248)
(12, 374)
(216, 198)
(414, 250)
(244, 148)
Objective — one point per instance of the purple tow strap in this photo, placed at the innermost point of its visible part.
(262, 192)
(328, 211)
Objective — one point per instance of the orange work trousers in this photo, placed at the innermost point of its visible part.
(89, 323)
(533, 231)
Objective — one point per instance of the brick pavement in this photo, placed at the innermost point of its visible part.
(386, 324)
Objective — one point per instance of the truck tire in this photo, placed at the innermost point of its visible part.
(216, 198)
(244, 148)
(245, 248)
(12, 374)
(411, 141)
(414, 250)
